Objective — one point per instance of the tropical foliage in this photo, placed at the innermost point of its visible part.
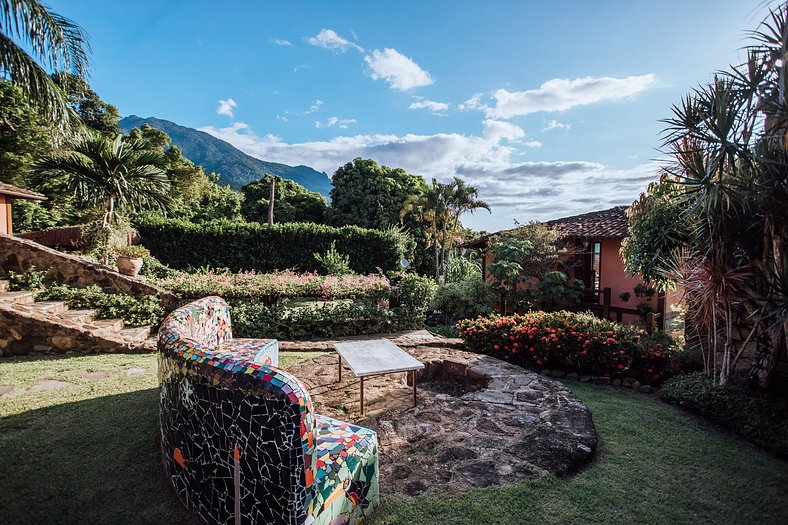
(728, 182)
(292, 202)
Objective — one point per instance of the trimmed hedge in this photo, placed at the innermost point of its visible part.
(754, 416)
(574, 342)
(269, 287)
(330, 320)
(239, 246)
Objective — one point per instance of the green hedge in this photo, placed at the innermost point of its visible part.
(330, 320)
(755, 416)
(134, 311)
(239, 246)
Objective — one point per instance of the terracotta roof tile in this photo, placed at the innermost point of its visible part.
(21, 193)
(604, 224)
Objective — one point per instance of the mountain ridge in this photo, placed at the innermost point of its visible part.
(235, 167)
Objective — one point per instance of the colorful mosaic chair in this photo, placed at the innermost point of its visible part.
(239, 437)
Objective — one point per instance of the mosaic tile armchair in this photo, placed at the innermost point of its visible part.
(240, 440)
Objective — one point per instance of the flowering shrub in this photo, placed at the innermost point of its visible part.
(269, 287)
(574, 342)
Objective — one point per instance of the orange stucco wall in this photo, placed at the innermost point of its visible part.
(5, 215)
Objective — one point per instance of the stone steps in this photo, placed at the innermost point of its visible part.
(50, 326)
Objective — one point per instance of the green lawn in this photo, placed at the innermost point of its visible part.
(88, 453)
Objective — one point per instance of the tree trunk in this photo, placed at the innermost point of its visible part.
(437, 256)
(271, 202)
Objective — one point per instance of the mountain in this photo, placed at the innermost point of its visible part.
(235, 167)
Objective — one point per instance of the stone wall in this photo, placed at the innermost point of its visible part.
(20, 254)
(24, 333)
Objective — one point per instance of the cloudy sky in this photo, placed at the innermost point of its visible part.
(548, 108)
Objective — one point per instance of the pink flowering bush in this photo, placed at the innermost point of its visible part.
(573, 342)
(269, 287)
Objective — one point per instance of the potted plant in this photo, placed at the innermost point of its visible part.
(128, 259)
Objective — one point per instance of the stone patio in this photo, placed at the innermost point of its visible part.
(479, 421)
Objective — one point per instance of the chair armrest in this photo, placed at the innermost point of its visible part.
(263, 351)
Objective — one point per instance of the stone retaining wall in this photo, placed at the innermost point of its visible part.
(20, 254)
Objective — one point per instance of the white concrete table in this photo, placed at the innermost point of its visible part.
(377, 357)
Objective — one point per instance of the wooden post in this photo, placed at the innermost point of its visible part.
(661, 310)
(271, 202)
(619, 316)
(606, 293)
(649, 322)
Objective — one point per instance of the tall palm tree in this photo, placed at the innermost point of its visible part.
(56, 43)
(430, 207)
(460, 198)
(114, 175)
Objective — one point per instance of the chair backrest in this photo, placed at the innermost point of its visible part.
(213, 404)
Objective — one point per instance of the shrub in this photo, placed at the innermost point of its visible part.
(329, 320)
(462, 268)
(753, 415)
(570, 341)
(270, 287)
(332, 262)
(142, 311)
(31, 279)
(251, 246)
(416, 291)
(463, 300)
(130, 251)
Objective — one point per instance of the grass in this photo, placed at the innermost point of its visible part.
(89, 453)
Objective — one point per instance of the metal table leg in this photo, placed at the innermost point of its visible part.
(413, 380)
(362, 395)
(340, 366)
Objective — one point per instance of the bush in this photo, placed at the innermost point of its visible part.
(329, 320)
(755, 416)
(270, 287)
(570, 341)
(466, 299)
(142, 311)
(31, 279)
(416, 291)
(130, 251)
(241, 246)
(332, 262)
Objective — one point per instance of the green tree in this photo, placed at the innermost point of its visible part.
(24, 135)
(730, 164)
(94, 112)
(371, 196)
(113, 175)
(293, 202)
(55, 43)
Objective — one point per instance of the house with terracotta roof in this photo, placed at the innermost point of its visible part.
(594, 240)
(7, 194)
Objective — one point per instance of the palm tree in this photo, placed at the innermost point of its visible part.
(56, 43)
(460, 198)
(114, 175)
(430, 207)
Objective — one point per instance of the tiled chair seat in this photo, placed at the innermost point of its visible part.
(263, 351)
(345, 472)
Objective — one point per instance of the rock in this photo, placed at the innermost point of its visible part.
(558, 373)
(521, 421)
(629, 380)
(62, 341)
(646, 389)
(49, 384)
(456, 453)
(480, 474)
(616, 382)
(545, 372)
(134, 371)
(585, 379)
(42, 348)
(636, 385)
(529, 396)
(555, 451)
(6, 389)
(573, 376)
(600, 380)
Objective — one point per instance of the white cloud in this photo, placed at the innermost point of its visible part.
(558, 94)
(398, 70)
(226, 107)
(554, 124)
(342, 123)
(314, 107)
(438, 108)
(515, 189)
(329, 39)
(281, 42)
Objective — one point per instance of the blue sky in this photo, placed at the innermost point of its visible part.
(548, 108)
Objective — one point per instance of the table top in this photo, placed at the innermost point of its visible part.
(377, 356)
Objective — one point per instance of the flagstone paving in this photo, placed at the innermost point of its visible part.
(49, 384)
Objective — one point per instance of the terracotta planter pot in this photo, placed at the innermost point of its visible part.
(129, 265)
